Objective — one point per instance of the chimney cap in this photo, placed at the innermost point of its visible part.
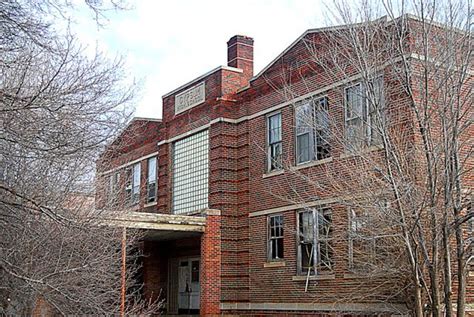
(240, 39)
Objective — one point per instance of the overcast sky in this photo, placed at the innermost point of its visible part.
(168, 43)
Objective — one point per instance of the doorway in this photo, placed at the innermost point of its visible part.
(188, 285)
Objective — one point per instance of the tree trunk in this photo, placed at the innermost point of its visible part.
(461, 274)
(448, 301)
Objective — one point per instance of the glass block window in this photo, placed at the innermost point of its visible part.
(191, 173)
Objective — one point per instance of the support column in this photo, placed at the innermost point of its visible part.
(211, 264)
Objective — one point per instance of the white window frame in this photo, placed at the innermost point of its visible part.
(152, 180)
(315, 132)
(368, 110)
(272, 239)
(317, 267)
(274, 164)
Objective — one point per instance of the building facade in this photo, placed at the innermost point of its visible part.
(222, 186)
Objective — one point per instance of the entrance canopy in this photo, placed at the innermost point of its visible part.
(159, 226)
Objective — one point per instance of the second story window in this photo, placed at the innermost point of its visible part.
(364, 107)
(113, 189)
(151, 180)
(275, 238)
(312, 130)
(274, 142)
(132, 186)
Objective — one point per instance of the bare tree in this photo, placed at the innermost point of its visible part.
(58, 110)
(402, 124)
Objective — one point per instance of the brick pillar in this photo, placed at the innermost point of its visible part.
(211, 264)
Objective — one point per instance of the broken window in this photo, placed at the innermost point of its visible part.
(275, 237)
(312, 130)
(364, 107)
(274, 142)
(315, 252)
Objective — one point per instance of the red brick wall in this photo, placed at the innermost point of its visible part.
(233, 249)
(139, 139)
(211, 257)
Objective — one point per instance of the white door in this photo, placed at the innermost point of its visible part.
(188, 284)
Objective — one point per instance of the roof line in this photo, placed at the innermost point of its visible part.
(147, 119)
(127, 126)
(309, 31)
(233, 69)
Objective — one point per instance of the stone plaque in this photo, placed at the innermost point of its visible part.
(189, 98)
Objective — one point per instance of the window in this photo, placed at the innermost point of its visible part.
(367, 249)
(274, 142)
(312, 130)
(275, 238)
(151, 180)
(364, 107)
(113, 188)
(132, 185)
(315, 253)
(191, 173)
(136, 183)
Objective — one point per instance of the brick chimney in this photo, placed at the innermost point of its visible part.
(240, 54)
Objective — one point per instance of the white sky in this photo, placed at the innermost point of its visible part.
(168, 43)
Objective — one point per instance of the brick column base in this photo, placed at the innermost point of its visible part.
(211, 264)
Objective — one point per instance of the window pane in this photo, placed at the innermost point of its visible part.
(303, 148)
(306, 227)
(195, 271)
(151, 169)
(136, 175)
(307, 256)
(279, 253)
(274, 126)
(275, 156)
(354, 102)
(304, 118)
(324, 225)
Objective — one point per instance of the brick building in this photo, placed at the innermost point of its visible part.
(212, 184)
